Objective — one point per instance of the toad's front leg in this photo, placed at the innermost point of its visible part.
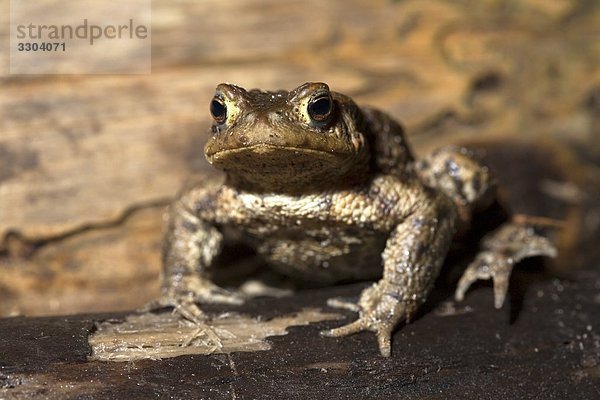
(191, 243)
(412, 259)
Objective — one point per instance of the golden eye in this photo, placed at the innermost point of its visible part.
(320, 107)
(218, 110)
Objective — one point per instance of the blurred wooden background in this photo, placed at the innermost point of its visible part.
(88, 162)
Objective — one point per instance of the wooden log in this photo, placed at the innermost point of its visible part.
(544, 344)
(87, 162)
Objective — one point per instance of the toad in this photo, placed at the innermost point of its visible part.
(328, 191)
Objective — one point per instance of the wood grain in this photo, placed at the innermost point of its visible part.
(77, 153)
(545, 345)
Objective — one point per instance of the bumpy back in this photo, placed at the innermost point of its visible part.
(390, 153)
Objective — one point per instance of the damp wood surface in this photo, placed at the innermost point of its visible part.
(88, 162)
(545, 343)
(167, 334)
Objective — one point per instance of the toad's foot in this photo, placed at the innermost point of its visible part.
(502, 249)
(193, 289)
(486, 265)
(188, 310)
(379, 311)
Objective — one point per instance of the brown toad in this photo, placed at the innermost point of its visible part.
(328, 191)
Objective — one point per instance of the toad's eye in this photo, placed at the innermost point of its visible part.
(218, 110)
(320, 107)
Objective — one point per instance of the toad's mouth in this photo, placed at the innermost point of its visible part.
(268, 162)
(269, 151)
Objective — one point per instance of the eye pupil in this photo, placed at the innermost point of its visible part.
(218, 110)
(320, 107)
